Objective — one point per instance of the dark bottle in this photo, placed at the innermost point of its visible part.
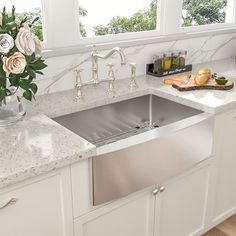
(174, 60)
(182, 58)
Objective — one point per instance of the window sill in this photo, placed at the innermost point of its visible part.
(55, 52)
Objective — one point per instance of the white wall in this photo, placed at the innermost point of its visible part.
(200, 50)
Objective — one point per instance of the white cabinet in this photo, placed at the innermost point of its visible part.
(182, 206)
(191, 203)
(131, 216)
(224, 197)
(180, 210)
(43, 207)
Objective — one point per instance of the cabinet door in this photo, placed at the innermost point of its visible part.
(41, 208)
(131, 216)
(225, 188)
(181, 207)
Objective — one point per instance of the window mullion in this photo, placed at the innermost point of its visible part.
(230, 12)
(61, 24)
(171, 16)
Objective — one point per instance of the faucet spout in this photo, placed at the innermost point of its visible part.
(110, 53)
(95, 55)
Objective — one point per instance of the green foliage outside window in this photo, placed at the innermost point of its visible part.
(37, 28)
(82, 13)
(198, 12)
(142, 20)
(203, 12)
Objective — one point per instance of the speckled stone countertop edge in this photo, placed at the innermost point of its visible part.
(147, 85)
(38, 157)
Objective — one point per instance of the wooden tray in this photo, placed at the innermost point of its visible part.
(181, 86)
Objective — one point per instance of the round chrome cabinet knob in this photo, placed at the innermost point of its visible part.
(155, 191)
(162, 189)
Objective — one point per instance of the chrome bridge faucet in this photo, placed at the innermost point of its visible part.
(95, 55)
(111, 74)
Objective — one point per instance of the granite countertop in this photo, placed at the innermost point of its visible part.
(39, 145)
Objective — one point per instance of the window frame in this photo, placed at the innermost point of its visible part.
(67, 40)
(64, 15)
(125, 36)
(209, 27)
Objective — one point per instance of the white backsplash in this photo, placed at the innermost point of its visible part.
(60, 74)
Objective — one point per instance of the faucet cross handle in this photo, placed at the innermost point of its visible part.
(78, 84)
(78, 77)
(111, 77)
(111, 74)
(133, 83)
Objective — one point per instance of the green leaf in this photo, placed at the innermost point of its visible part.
(39, 72)
(15, 81)
(31, 58)
(2, 93)
(3, 31)
(24, 84)
(3, 76)
(2, 72)
(4, 16)
(38, 65)
(35, 20)
(13, 50)
(23, 21)
(10, 26)
(13, 13)
(28, 95)
(30, 72)
(34, 88)
(3, 81)
(24, 75)
(30, 79)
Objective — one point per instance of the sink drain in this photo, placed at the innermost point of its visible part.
(137, 127)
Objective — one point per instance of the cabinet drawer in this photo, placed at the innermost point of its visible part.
(131, 216)
(37, 208)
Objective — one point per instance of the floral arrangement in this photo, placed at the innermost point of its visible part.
(20, 58)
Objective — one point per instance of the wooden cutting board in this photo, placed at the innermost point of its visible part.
(177, 82)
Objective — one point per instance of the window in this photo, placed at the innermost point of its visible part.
(26, 8)
(205, 12)
(104, 17)
(67, 24)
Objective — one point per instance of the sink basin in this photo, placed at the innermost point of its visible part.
(113, 122)
(141, 142)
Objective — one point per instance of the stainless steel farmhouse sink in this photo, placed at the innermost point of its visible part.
(140, 142)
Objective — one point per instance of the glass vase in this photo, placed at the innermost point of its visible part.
(11, 108)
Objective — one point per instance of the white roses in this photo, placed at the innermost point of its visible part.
(27, 44)
(20, 55)
(14, 64)
(25, 41)
(38, 45)
(6, 43)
